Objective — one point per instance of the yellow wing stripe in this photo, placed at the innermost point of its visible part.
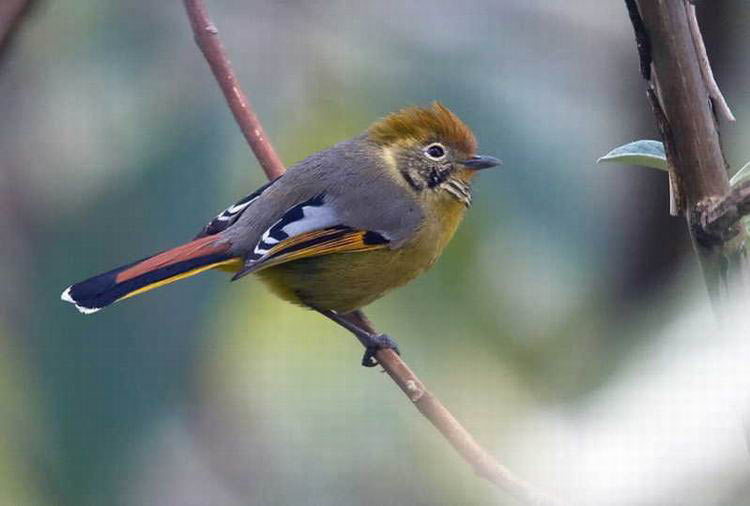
(350, 242)
(232, 263)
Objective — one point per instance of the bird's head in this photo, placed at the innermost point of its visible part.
(431, 149)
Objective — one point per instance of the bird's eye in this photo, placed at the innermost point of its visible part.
(435, 151)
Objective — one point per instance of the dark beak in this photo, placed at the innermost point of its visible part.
(478, 162)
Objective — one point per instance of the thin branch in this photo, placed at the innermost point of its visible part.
(207, 38)
(483, 463)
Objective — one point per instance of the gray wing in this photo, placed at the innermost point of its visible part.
(331, 190)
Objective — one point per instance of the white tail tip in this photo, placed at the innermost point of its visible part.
(85, 310)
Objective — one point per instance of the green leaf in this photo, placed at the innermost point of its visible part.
(742, 175)
(644, 153)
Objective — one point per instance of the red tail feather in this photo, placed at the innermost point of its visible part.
(199, 248)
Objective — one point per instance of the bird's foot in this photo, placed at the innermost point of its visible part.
(375, 343)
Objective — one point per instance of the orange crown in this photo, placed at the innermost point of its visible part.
(423, 125)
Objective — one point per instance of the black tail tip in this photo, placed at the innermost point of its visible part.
(68, 297)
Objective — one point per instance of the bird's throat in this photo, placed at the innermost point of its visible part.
(457, 189)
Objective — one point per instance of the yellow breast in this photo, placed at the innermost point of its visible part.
(344, 282)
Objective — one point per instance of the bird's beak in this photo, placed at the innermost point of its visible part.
(478, 162)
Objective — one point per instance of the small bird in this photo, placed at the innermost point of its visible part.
(337, 230)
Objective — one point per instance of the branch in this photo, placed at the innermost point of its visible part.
(684, 91)
(684, 97)
(714, 92)
(718, 222)
(207, 38)
(484, 464)
(676, 198)
(642, 42)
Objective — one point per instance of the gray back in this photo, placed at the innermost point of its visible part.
(359, 191)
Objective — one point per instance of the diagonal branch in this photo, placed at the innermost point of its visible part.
(483, 463)
(207, 38)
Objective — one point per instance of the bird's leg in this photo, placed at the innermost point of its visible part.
(378, 342)
(354, 323)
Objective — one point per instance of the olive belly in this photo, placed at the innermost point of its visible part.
(343, 282)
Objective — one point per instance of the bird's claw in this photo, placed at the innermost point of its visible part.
(375, 343)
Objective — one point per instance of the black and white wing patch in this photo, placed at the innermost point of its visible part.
(309, 229)
(230, 215)
(312, 214)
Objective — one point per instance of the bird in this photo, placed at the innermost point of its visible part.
(337, 230)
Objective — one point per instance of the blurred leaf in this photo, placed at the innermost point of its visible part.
(742, 175)
(645, 153)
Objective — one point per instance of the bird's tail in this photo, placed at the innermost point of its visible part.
(181, 262)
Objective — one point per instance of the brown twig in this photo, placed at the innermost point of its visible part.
(642, 42)
(714, 219)
(718, 222)
(683, 92)
(207, 38)
(484, 464)
(684, 97)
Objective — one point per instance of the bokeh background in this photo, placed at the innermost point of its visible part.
(566, 326)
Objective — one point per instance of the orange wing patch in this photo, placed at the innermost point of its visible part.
(318, 243)
(324, 242)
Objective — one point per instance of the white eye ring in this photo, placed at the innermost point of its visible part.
(435, 151)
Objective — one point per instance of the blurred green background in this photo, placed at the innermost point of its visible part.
(565, 325)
